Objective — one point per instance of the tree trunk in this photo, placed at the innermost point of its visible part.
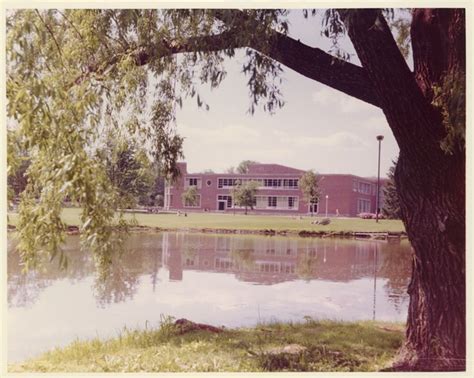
(430, 183)
(434, 217)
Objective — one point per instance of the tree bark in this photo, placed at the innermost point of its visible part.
(430, 184)
(434, 217)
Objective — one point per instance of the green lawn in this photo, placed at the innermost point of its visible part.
(247, 222)
(317, 346)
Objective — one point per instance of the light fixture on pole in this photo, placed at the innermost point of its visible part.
(377, 201)
(327, 198)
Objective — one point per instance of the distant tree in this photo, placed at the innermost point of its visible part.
(130, 172)
(208, 171)
(230, 170)
(244, 195)
(391, 207)
(154, 196)
(243, 167)
(309, 184)
(159, 200)
(190, 197)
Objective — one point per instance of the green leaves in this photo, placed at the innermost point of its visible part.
(190, 197)
(309, 184)
(244, 195)
(450, 98)
(391, 206)
(76, 75)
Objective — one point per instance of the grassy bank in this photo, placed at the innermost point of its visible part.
(212, 221)
(310, 346)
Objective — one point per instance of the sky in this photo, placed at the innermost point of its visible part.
(318, 128)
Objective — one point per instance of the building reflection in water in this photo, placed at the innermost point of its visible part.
(270, 260)
(253, 259)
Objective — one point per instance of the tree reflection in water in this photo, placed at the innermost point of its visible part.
(255, 259)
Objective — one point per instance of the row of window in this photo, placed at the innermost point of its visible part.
(227, 182)
(262, 266)
(357, 186)
(277, 183)
(262, 183)
(363, 187)
(280, 202)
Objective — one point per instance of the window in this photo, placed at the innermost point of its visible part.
(228, 200)
(272, 201)
(226, 182)
(208, 182)
(293, 183)
(363, 206)
(189, 262)
(291, 202)
(192, 181)
(364, 188)
(222, 263)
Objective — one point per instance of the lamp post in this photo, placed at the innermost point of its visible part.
(379, 138)
(327, 197)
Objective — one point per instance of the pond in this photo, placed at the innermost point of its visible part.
(228, 280)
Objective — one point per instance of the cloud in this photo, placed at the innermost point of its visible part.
(219, 147)
(228, 134)
(337, 101)
(341, 139)
(376, 124)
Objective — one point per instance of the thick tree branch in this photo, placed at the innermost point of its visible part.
(310, 62)
(320, 66)
(410, 115)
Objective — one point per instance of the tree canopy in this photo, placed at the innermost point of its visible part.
(243, 195)
(243, 166)
(130, 172)
(190, 196)
(309, 184)
(391, 206)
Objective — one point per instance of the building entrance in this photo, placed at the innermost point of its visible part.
(221, 205)
(313, 208)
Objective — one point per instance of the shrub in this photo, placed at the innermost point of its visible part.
(366, 215)
(370, 216)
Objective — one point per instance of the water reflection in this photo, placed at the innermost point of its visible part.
(270, 260)
(257, 260)
(219, 279)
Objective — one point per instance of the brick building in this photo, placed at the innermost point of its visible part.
(278, 192)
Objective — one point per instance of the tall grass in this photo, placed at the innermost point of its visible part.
(320, 345)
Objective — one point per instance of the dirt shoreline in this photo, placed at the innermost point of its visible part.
(75, 230)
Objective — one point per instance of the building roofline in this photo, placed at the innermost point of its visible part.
(255, 175)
